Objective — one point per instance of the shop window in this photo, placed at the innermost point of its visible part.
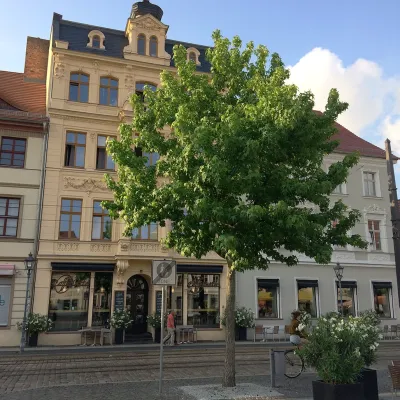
(383, 298)
(307, 295)
(5, 301)
(79, 87)
(102, 299)
(375, 235)
(102, 224)
(203, 298)
(12, 152)
(69, 300)
(103, 160)
(349, 292)
(108, 91)
(70, 218)
(152, 158)
(175, 300)
(141, 45)
(9, 214)
(153, 46)
(75, 150)
(268, 298)
(370, 184)
(146, 232)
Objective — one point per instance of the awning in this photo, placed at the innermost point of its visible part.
(199, 268)
(347, 284)
(268, 283)
(382, 285)
(7, 269)
(82, 267)
(304, 283)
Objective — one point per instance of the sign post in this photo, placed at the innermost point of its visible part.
(163, 272)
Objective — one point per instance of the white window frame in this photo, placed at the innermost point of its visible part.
(343, 186)
(296, 293)
(195, 51)
(335, 288)
(279, 306)
(375, 171)
(98, 33)
(376, 214)
(392, 308)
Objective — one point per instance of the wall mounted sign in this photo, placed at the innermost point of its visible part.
(119, 300)
(158, 302)
(5, 297)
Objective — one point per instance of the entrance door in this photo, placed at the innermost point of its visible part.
(137, 299)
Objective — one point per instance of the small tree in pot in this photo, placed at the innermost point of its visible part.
(244, 318)
(35, 324)
(154, 320)
(120, 320)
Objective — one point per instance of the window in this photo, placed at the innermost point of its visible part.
(307, 294)
(102, 298)
(146, 232)
(5, 300)
(9, 213)
(349, 290)
(338, 189)
(369, 184)
(203, 300)
(75, 150)
(153, 46)
(103, 160)
(174, 300)
(79, 87)
(192, 56)
(70, 218)
(337, 246)
(12, 152)
(140, 89)
(102, 224)
(375, 234)
(96, 42)
(152, 158)
(268, 298)
(69, 300)
(141, 45)
(109, 91)
(383, 298)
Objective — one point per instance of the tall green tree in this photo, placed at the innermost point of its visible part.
(241, 155)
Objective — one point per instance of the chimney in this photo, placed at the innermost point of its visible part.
(37, 53)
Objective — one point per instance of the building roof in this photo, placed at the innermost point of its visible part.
(76, 34)
(17, 94)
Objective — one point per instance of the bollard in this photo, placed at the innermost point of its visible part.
(272, 367)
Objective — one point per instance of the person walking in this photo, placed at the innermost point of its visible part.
(170, 328)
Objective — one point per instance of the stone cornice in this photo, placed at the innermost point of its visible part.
(20, 134)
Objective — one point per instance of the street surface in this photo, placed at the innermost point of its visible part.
(133, 373)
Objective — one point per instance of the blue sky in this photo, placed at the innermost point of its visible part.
(352, 45)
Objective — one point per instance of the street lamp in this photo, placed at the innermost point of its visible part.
(339, 275)
(30, 263)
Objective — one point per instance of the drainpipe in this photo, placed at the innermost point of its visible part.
(40, 207)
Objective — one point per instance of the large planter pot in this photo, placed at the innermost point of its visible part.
(327, 391)
(33, 339)
(157, 335)
(369, 379)
(119, 336)
(241, 333)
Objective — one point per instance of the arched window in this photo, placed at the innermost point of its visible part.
(108, 91)
(192, 56)
(79, 87)
(141, 44)
(153, 46)
(139, 88)
(96, 42)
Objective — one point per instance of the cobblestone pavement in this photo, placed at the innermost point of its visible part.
(134, 373)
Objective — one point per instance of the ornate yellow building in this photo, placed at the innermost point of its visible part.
(86, 267)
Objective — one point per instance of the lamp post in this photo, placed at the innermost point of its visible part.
(30, 263)
(339, 275)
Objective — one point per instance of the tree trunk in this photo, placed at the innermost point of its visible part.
(229, 366)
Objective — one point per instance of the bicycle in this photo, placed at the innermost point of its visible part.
(294, 363)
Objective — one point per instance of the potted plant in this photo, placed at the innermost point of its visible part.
(120, 320)
(154, 320)
(244, 318)
(35, 324)
(333, 349)
(368, 325)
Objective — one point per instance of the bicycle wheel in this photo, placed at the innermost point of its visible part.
(294, 364)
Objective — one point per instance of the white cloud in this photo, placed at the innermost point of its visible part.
(361, 84)
(390, 128)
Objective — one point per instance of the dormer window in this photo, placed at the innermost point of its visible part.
(96, 40)
(141, 45)
(153, 46)
(193, 55)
